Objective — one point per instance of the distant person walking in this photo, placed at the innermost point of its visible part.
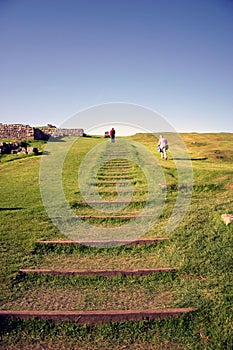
(163, 147)
(112, 135)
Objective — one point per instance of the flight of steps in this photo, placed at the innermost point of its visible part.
(115, 170)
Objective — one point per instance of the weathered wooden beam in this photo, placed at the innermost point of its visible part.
(96, 317)
(113, 217)
(110, 202)
(94, 272)
(132, 243)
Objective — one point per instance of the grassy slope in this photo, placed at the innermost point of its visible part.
(201, 246)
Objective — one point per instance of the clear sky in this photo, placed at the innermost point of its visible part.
(62, 56)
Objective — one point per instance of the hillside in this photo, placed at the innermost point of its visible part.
(199, 245)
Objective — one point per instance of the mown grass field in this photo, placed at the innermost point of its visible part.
(201, 247)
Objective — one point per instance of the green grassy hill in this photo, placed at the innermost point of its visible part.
(200, 246)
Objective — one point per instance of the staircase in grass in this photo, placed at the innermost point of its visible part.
(119, 170)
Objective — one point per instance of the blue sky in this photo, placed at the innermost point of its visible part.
(59, 57)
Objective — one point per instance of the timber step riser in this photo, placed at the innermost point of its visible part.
(96, 317)
(111, 203)
(120, 175)
(139, 242)
(123, 182)
(103, 273)
(110, 217)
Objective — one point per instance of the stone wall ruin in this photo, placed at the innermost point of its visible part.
(27, 132)
(16, 132)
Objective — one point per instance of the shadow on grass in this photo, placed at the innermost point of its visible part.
(1, 209)
(203, 158)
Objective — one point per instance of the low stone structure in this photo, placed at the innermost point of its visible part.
(17, 148)
(27, 132)
(67, 132)
(16, 132)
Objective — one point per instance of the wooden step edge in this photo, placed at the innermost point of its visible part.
(116, 178)
(103, 273)
(117, 153)
(116, 167)
(123, 160)
(123, 163)
(142, 191)
(111, 182)
(117, 171)
(96, 317)
(137, 242)
(113, 217)
(120, 177)
(111, 202)
(119, 174)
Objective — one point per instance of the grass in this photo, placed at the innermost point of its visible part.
(201, 246)
(129, 335)
(75, 293)
(72, 257)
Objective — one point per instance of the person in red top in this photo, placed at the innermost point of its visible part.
(112, 135)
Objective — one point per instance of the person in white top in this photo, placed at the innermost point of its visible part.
(163, 146)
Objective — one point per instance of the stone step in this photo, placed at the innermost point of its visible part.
(137, 242)
(96, 317)
(104, 273)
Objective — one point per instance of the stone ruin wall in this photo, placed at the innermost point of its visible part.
(16, 132)
(57, 132)
(67, 132)
(26, 132)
